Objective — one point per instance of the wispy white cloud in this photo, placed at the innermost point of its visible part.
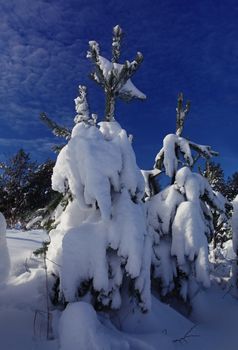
(38, 60)
(40, 148)
(191, 47)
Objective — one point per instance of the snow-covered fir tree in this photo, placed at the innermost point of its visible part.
(222, 229)
(232, 186)
(215, 176)
(100, 250)
(180, 216)
(114, 77)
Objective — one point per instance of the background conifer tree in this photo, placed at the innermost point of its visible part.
(181, 215)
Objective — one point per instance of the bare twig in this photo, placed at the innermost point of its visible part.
(187, 335)
(53, 262)
(228, 291)
(27, 266)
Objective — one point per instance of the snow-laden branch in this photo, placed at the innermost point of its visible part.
(168, 155)
(115, 77)
(57, 129)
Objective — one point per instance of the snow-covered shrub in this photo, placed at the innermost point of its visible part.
(4, 255)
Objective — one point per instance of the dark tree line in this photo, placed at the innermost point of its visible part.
(215, 175)
(25, 187)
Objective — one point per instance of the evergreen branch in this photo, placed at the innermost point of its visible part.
(114, 76)
(134, 65)
(204, 151)
(159, 160)
(3, 165)
(181, 114)
(81, 105)
(57, 148)
(94, 55)
(122, 77)
(128, 70)
(55, 128)
(116, 43)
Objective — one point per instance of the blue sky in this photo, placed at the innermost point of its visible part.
(189, 46)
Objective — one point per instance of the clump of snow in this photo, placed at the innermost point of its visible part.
(175, 148)
(162, 209)
(91, 164)
(81, 327)
(189, 241)
(4, 254)
(170, 144)
(81, 106)
(195, 186)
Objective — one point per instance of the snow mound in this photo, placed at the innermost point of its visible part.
(81, 329)
(170, 143)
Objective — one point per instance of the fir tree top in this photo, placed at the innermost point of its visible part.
(115, 77)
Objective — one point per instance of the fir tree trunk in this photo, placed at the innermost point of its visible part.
(110, 106)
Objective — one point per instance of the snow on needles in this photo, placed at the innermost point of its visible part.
(169, 149)
(126, 89)
(180, 220)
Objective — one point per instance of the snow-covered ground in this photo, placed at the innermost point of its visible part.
(22, 297)
(23, 313)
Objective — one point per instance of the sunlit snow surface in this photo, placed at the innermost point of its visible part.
(23, 318)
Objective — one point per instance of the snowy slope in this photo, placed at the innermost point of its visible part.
(23, 318)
